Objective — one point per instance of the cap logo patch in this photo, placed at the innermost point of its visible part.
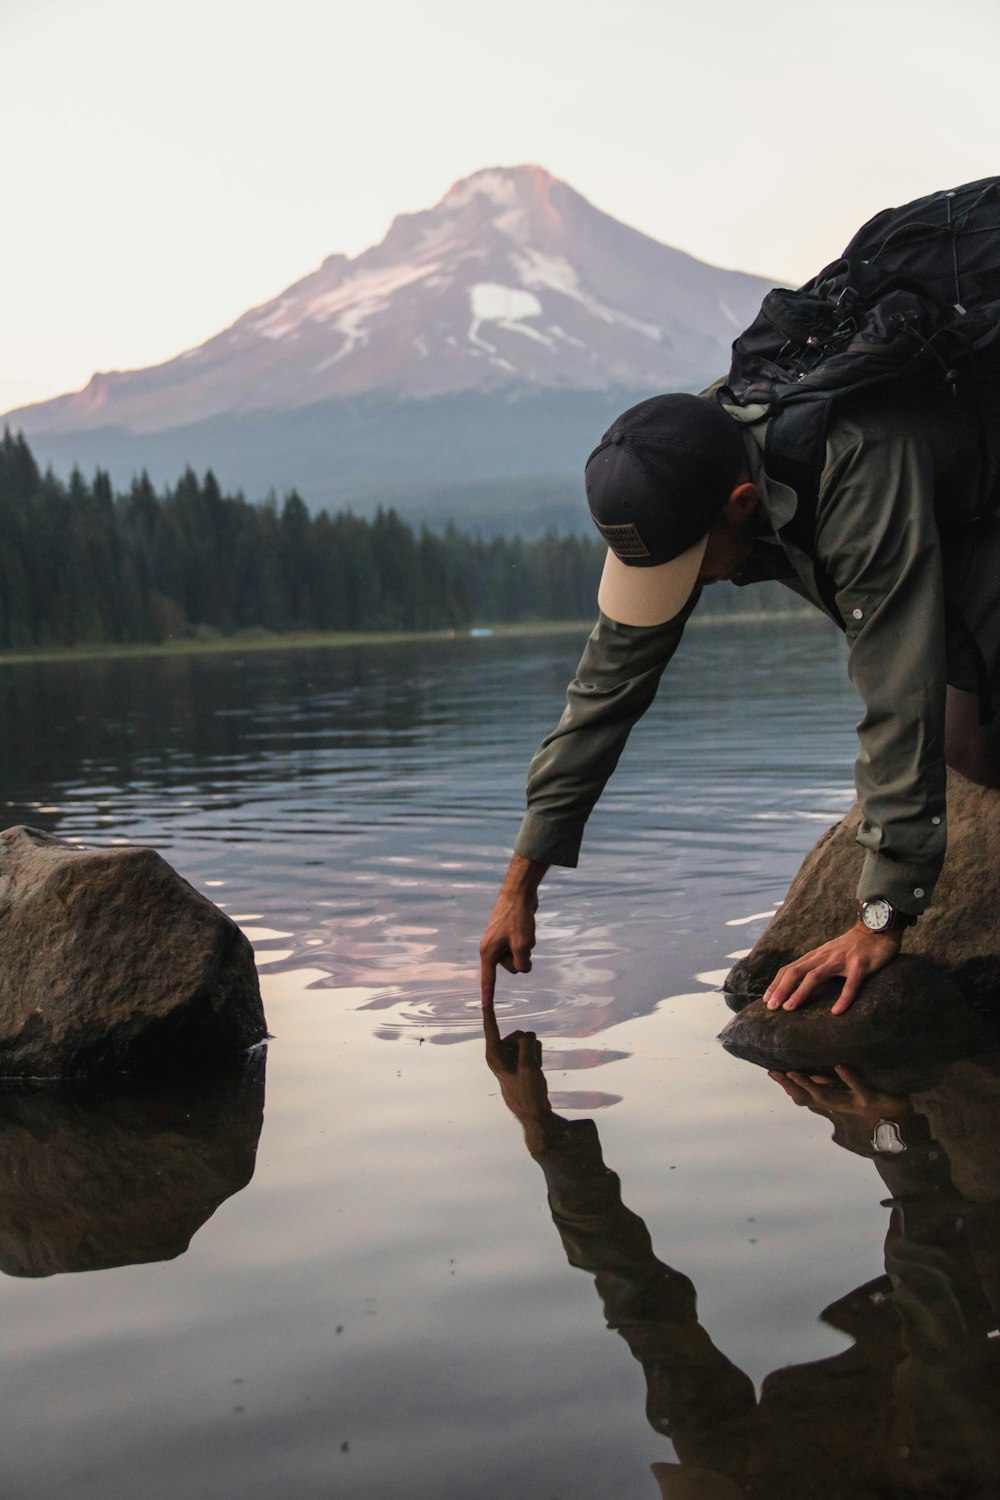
(624, 541)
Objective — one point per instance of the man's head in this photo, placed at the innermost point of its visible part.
(669, 492)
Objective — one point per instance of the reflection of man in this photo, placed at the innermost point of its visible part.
(909, 1409)
(904, 553)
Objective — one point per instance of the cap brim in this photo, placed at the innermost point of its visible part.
(649, 596)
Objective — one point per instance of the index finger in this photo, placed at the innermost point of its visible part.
(487, 979)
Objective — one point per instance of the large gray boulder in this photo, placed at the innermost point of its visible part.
(960, 931)
(110, 962)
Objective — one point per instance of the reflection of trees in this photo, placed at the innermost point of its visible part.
(95, 1177)
(908, 1410)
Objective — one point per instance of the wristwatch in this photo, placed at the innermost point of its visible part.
(878, 915)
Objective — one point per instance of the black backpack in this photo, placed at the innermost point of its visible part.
(914, 297)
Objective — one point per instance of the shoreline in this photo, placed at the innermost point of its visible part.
(318, 640)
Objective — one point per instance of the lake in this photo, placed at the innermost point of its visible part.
(351, 1278)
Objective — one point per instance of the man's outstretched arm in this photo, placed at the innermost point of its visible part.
(615, 683)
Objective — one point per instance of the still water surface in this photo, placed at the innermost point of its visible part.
(381, 1304)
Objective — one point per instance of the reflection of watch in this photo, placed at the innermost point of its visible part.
(887, 1140)
(879, 916)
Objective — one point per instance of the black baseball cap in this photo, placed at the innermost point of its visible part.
(656, 485)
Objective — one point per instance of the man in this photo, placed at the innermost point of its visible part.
(904, 554)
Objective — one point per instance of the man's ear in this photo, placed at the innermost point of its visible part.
(745, 499)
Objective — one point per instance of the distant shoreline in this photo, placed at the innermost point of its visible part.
(320, 640)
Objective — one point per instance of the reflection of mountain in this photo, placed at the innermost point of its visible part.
(91, 1179)
(489, 337)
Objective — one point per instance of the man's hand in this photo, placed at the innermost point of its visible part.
(855, 954)
(510, 931)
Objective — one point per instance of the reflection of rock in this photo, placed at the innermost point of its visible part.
(91, 1178)
(959, 931)
(909, 1010)
(963, 1111)
(109, 961)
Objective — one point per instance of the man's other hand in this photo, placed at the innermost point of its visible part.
(855, 954)
(510, 932)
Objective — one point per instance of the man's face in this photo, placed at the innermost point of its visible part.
(731, 538)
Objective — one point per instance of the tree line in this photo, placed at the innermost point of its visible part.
(82, 564)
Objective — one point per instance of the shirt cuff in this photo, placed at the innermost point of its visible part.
(552, 841)
(906, 887)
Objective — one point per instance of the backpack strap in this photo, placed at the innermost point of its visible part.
(794, 449)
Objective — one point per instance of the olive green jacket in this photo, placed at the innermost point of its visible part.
(898, 530)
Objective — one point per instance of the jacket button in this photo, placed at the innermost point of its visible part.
(858, 614)
(918, 892)
(935, 821)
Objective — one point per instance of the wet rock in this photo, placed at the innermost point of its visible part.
(959, 931)
(910, 1011)
(91, 1178)
(110, 962)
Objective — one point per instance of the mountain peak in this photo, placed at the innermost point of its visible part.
(511, 282)
(504, 186)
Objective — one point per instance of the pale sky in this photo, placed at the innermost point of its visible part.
(169, 165)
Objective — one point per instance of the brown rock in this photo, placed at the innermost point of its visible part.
(110, 962)
(908, 1013)
(960, 931)
(91, 1178)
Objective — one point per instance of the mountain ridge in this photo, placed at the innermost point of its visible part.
(513, 287)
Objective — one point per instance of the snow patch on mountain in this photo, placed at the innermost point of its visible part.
(369, 288)
(495, 303)
(279, 321)
(537, 269)
(506, 306)
(515, 225)
(347, 307)
(500, 187)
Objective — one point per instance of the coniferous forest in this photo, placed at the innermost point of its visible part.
(80, 564)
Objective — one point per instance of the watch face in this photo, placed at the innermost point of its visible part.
(877, 914)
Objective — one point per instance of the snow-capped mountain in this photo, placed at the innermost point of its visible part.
(513, 286)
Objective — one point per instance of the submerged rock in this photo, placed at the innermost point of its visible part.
(110, 962)
(909, 1012)
(960, 931)
(92, 1178)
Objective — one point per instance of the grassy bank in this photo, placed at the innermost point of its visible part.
(292, 640)
(319, 640)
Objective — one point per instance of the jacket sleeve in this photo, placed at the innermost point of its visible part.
(878, 539)
(615, 683)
